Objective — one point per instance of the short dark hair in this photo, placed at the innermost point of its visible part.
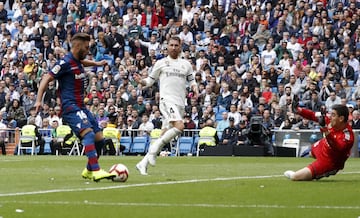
(81, 37)
(176, 38)
(341, 110)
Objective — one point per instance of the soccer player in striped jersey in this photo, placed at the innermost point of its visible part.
(70, 74)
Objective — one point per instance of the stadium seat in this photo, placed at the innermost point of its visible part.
(46, 135)
(26, 138)
(140, 144)
(218, 117)
(75, 150)
(292, 143)
(186, 144)
(126, 141)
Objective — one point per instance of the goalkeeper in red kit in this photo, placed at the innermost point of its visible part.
(332, 150)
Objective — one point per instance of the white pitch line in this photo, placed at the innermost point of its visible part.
(205, 205)
(143, 185)
(135, 185)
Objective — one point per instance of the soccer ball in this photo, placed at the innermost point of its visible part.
(122, 172)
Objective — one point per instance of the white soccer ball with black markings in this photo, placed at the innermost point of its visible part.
(121, 171)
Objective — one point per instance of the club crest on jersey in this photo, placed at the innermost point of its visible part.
(167, 63)
(56, 69)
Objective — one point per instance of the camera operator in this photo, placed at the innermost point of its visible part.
(258, 134)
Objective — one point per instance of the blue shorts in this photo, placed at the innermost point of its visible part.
(79, 120)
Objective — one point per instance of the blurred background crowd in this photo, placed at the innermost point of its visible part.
(249, 58)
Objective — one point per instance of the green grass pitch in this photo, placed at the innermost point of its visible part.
(51, 186)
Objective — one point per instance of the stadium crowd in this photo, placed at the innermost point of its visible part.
(249, 58)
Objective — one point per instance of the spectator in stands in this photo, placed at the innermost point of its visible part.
(287, 94)
(229, 134)
(36, 116)
(146, 126)
(208, 98)
(286, 124)
(243, 103)
(16, 114)
(208, 135)
(332, 100)
(347, 71)
(188, 122)
(278, 116)
(303, 124)
(30, 129)
(355, 122)
(268, 57)
(67, 140)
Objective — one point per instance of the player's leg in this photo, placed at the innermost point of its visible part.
(303, 174)
(81, 125)
(93, 169)
(99, 138)
(99, 143)
(176, 129)
(173, 122)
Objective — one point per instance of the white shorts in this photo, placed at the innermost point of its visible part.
(171, 112)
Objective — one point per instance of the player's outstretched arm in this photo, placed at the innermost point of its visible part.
(90, 63)
(42, 88)
(138, 79)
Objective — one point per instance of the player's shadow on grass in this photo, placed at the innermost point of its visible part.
(338, 180)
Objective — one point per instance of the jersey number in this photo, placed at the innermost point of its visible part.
(81, 114)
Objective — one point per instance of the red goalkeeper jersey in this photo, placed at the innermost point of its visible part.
(334, 149)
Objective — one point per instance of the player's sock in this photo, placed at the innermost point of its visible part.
(99, 145)
(90, 151)
(163, 140)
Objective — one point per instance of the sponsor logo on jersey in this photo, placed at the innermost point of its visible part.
(80, 76)
(176, 73)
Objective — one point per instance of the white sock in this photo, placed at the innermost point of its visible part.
(144, 161)
(163, 140)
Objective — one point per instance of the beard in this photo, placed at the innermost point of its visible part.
(82, 55)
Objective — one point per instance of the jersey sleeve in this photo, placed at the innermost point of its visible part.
(190, 78)
(343, 142)
(155, 73)
(59, 69)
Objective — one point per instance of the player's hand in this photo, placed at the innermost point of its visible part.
(102, 63)
(37, 106)
(322, 118)
(137, 78)
(295, 104)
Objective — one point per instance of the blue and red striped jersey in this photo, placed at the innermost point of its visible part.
(71, 78)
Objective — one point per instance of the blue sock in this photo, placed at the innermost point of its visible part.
(90, 151)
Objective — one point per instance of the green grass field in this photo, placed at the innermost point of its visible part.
(51, 186)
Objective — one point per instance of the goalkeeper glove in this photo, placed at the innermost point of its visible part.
(295, 104)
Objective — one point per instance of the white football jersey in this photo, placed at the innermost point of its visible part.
(174, 75)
